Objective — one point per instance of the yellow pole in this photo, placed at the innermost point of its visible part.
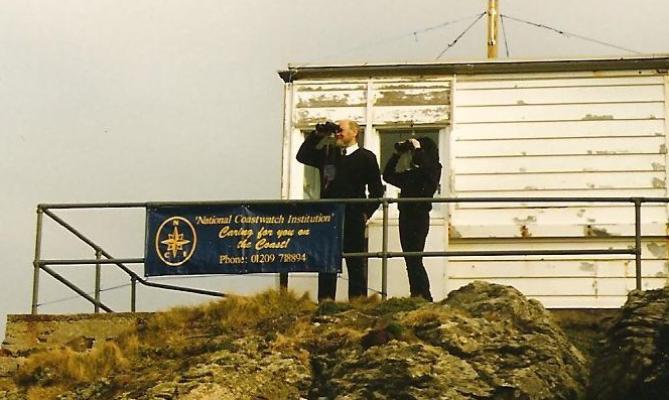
(493, 23)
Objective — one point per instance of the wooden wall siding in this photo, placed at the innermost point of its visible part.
(566, 129)
(556, 136)
(319, 101)
(561, 79)
(563, 281)
(559, 112)
(642, 93)
(526, 135)
(395, 102)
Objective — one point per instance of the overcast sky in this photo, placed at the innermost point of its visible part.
(140, 100)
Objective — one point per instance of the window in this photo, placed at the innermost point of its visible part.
(388, 138)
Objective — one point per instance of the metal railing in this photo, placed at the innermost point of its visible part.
(104, 258)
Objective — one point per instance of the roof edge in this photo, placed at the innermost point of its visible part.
(303, 71)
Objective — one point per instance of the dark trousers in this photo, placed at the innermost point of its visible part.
(414, 225)
(354, 242)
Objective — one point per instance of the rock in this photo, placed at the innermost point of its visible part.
(400, 370)
(11, 395)
(485, 341)
(97, 390)
(163, 391)
(634, 361)
(514, 343)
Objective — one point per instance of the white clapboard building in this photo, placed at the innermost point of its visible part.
(508, 128)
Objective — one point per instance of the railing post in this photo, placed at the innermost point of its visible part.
(283, 280)
(384, 252)
(637, 240)
(133, 294)
(98, 273)
(36, 260)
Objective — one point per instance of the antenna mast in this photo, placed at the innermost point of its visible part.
(493, 23)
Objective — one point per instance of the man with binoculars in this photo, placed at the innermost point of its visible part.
(346, 170)
(415, 169)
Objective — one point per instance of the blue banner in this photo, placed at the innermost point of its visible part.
(240, 239)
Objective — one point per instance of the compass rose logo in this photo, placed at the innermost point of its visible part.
(175, 241)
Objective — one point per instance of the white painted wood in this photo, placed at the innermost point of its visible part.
(452, 165)
(561, 112)
(533, 269)
(445, 190)
(557, 80)
(563, 129)
(568, 95)
(287, 154)
(297, 168)
(666, 139)
(559, 146)
(372, 141)
(530, 205)
(426, 81)
(562, 164)
(590, 133)
(559, 216)
(574, 75)
(330, 84)
(595, 141)
(442, 83)
(642, 192)
(566, 181)
(372, 138)
(329, 100)
(409, 97)
(406, 115)
(307, 117)
(652, 248)
(340, 98)
(493, 230)
(395, 102)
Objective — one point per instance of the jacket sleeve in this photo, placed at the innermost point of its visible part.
(429, 172)
(308, 154)
(434, 176)
(374, 184)
(389, 173)
(426, 171)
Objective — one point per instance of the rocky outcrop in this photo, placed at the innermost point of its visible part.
(484, 341)
(634, 360)
(243, 370)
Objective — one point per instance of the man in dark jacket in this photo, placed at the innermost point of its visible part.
(419, 177)
(346, 171)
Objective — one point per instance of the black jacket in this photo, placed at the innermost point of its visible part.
(420, 181)
(344, 176)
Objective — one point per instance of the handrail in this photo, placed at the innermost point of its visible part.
(563, 199)
(384, 254)
(76, 289)
(40, 264)
(127, 270)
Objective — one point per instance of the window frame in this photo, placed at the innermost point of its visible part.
(439, 211)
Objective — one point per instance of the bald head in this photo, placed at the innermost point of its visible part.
(349, 133)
